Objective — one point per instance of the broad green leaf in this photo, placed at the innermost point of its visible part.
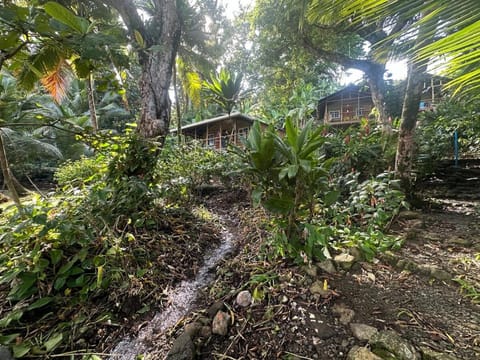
(139, 39)
(7, 339)
(65, 16)
(53, 342)
(257, 195)
(56, 256)
(21, 350)
(292, 171)
(40, 303)
(331, 197)
(9, 41)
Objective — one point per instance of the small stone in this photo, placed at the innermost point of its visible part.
(346, 315)
(193, 329)
(182, 348)
(244, 298)
(392, 342)
(318, 288)
(328, 266)
(205, 332)
(361, 353)
(363, 332)
(220, 323)
(212, 311)
(435, 272)
(344, 260)
(310, 270)
(283, 299)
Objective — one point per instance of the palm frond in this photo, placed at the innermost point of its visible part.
(57, 80)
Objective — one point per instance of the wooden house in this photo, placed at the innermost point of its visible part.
(346, 106)
(220, 131)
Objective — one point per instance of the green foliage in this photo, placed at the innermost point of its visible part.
(224, 89)
(288, 175)
(183, 169)
(80, 172)
(365, 149)
(436, 130)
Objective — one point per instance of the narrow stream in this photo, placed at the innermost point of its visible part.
(180, 299)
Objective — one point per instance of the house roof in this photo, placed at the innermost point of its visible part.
(351, 87)
(235, 115)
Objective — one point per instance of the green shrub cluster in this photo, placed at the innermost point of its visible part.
(317, 184)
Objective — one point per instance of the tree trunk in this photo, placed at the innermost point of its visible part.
(157, 67)
(177, 106)
(157, 42)
(405, 156)
(91, 103)
(377, 89)
(7, 175)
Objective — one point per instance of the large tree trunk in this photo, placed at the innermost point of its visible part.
(405, 156)
(7, 174)
(157, 67)
(158, 41)
(377, 89)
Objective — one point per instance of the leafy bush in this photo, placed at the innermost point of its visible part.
(80, 172)
(434, 135)
(183, 169)
(363, 149)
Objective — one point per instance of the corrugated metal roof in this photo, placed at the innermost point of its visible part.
(235, 115)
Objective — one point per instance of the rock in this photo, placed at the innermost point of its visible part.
(441, 274)
(205, 332)
(328, 266)
(322, 330)
(361, 353)
(212, 311)
(310, 270)
(193, 329)
(182, 348)
(5, 353)
(346, 315)
(283, 299)
(429, 354)
(392, 342)
(344, 260)
(220, 323)
(318, 288)
(244, 298)
(363, 332)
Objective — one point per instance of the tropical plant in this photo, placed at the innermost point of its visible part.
(289, 177)
(225, 89)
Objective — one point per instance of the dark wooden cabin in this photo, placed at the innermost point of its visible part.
(220, 131)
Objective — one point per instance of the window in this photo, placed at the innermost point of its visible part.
(211, 140)
(334, 115)
(242, 133)
(361, 111)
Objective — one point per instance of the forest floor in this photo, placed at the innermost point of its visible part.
(426, 292)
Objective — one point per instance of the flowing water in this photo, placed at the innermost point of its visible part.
(180, 300)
